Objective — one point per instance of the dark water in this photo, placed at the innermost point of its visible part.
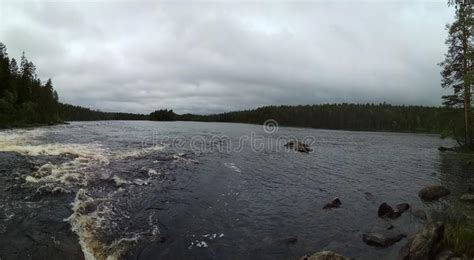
(173, 190)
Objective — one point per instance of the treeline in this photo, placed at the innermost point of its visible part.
(76, 113)
(163, 115)
(378, 117)
(24, 98)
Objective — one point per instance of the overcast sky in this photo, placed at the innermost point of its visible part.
(208, 57)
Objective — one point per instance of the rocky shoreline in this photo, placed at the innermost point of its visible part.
(428, 243)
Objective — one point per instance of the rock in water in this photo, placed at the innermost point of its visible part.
(385, 210)
(425, 243)
(445, 255)
(420, 214)
(299, 146)
(376, 239)
(445, 149)
(335, 203)
(289, 240)
(467, 197)
(433, 192)
(402, 207)
(325, 255)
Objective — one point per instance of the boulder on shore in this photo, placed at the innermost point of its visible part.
(380, 240)
(467, 197)
(325, 255)
(425, 244)
(445, 255)
(298, 146)
(335, 203)
(433, 192)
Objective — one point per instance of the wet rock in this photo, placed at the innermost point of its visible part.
(289, 240)
(335, 203)
(325, 255)
(420, 214)
(298, 146)
(467, 197)
(368, 195)
(386, 211)
(445, 255)
(425, 243)
(380, 240)
(402, 207)
(390, 227)
(433, 192)
(446, 149)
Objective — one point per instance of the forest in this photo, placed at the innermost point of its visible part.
(77, 113)
(358, 117)
(24, 98)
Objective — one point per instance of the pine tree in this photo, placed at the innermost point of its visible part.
(457, 66)
(4, 69)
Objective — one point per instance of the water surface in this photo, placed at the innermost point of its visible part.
(148, 190)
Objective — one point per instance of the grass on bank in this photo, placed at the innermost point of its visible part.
(459, 237)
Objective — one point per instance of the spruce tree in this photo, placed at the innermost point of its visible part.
(457, 67)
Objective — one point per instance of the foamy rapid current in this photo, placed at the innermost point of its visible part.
(104, 193)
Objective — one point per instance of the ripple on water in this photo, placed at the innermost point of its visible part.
(119, 202)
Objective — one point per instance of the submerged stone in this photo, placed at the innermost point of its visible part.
(433, 192)
(325, 255)
(467, 197)
(420, 214)
(289, 240)
(402, 207)
(380, 240)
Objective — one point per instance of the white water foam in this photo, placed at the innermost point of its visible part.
(233, 167)
(91, 216)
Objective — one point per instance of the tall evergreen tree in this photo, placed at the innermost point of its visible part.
(23, 97)
(4, 68)
(458, 64)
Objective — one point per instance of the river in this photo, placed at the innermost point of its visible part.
(173, 190)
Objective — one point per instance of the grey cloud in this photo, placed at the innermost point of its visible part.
(215, 57)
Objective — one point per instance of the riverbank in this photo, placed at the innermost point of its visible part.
(31, 125)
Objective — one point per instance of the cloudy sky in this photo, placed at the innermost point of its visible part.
(208, 57)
